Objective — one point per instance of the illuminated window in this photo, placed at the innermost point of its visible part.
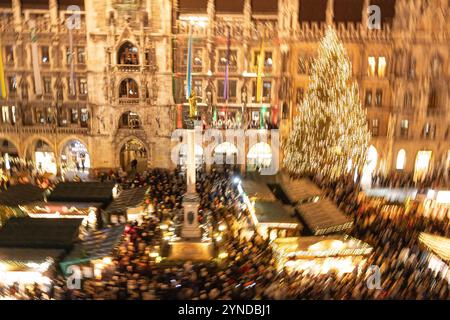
(9, 54)
(232, 85)
(368, 98)
(379, 98)
(422, 163)
(12, 84)
(71, 88)
(45, 55)
(267, 88)
(47, 85)
(82, 84)
(371, 66)
(223, 58)
(74, 116)
(401, 159)
(375, 126)
(381, 67)
(128, 54)
(404, 128)
(81, 55)
(429, 131)
(5, 114)
(197, 85)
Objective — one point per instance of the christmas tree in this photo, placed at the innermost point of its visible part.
(330, 134)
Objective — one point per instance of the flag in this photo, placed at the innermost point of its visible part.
(35, 59)
(71, 60)
(225, 86)
(2, 77)
(189, 65)
(259, 82)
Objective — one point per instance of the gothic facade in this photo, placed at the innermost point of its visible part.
(129, 62)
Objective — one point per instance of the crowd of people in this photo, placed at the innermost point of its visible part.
(248, 269)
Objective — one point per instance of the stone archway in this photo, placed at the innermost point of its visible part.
(133, 155)
(9, 154)
(75, 156)
(42, 154)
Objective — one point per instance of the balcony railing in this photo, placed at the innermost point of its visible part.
(128, 100)
(128, 67)
(41, 129)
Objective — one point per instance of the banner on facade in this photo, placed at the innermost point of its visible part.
(189, 65)
(35, 59)
(2, 76)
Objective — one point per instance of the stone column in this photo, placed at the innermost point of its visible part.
(190, 170)
(191, 200)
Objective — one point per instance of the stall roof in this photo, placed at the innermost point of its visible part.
(275, 212)
(82, 192)
(128, 198)
(40, 233)
(321, 246)
(20, 194)
(257, 190)
(19, 258)
(437, 244)
(323, 217)
(94, 245)
(64, 208)
(298, 190)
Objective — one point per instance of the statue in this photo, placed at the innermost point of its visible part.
(192, 105)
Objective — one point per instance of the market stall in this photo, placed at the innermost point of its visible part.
(127, 206)
(299, 190)
(320, 254)
(323, 217)
(100, 192)
(29, 249)
(51, 210)
(273, 219)
(40, 233)
(17, 195)
(28, 267)
(94, 250)
(256, 190)
(439, 259)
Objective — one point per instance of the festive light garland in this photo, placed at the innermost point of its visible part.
(331, 127)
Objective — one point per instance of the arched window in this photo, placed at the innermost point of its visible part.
(128, 89)
(401, 160)
(130, 120)
(128, 54)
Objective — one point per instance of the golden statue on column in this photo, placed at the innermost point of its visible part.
(192, 105)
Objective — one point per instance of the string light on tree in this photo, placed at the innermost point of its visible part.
(331, 127)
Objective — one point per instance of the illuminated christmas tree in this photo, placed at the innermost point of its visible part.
(330, 134)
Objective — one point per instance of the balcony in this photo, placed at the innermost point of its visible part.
(41, 129)
(128, 67)
(72, 130)
(124, 101)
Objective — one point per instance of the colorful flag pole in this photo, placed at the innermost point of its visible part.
(259, 82)
(35, 59)
(2, 76)
(189, 65)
